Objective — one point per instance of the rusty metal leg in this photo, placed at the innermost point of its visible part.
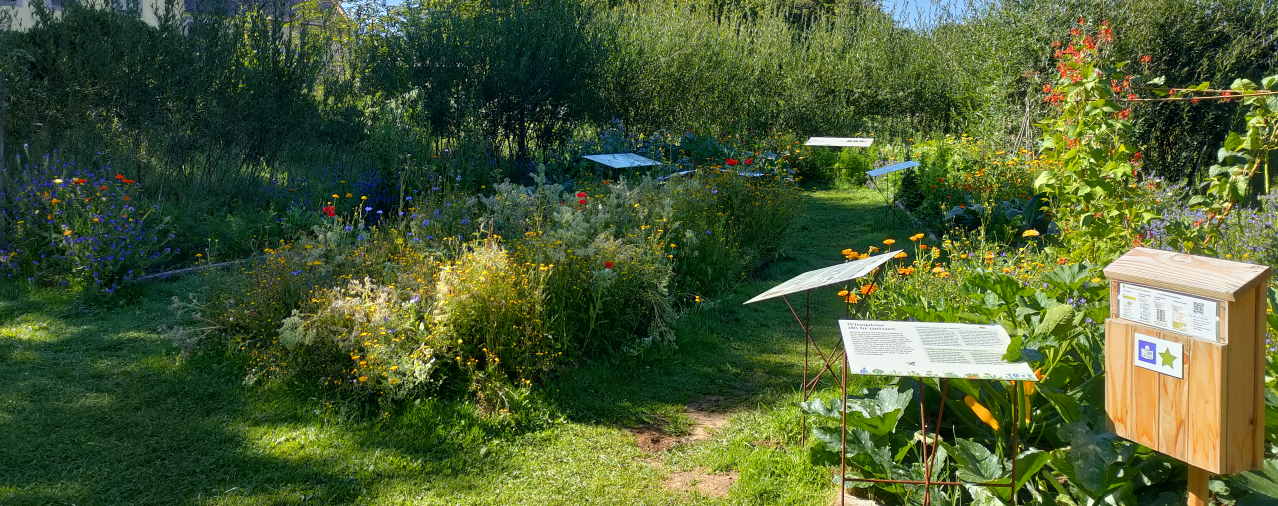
(1016, 422)
(843, 435)
(923, 445)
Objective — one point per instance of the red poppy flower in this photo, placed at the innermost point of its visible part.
(749, 161)
(127, 181)
(119, 177)
(582, 202)
(608, 264)
(731, 161)
(581, 195)
(329, 211)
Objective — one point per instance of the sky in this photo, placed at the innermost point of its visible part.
(921, 14)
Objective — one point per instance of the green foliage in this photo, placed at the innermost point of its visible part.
(1247, 155)
(525, 70)
(1093, 165)
(405, 309)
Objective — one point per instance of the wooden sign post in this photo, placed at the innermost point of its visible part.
(1184, 360)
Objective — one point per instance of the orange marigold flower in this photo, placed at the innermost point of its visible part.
(869, 289)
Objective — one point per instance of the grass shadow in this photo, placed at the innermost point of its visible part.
(98, 407)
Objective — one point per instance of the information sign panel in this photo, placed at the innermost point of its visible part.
(1192, 316)
(622, 160)
(840, 142)
(888, 169)
(932, 350)
(825, 276)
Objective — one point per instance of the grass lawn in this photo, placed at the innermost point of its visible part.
(97, 406)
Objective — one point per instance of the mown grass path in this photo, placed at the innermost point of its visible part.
(97, 407)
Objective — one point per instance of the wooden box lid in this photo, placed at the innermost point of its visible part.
(1212, 278)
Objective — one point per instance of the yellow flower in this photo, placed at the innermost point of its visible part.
(336, 196)
(843, 293)
(697, 299)
(349, 195)
(363, 197)
(1029, 233)
(889, 242)
(905, 271)
(873, 249)
(901, 254)
(916, 237)
(67, 232)
(363, 379)
(981, 411)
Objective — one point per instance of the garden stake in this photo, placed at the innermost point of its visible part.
(927, 462)
(929, 459)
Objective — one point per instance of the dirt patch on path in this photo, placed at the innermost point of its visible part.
(708, 414)
(702, 481)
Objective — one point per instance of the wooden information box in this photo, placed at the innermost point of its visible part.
(1184, 357)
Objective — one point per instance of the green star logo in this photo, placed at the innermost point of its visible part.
(1169, 360)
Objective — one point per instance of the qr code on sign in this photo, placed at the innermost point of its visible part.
(1198, 308)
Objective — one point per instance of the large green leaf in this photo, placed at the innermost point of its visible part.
(1053, 317)
(880, 414)
(1263, 482)
(1089, 456)
(1029, 463)
(976, 463)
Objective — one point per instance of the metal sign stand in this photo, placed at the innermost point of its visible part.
(929, 449)
(883, 171)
